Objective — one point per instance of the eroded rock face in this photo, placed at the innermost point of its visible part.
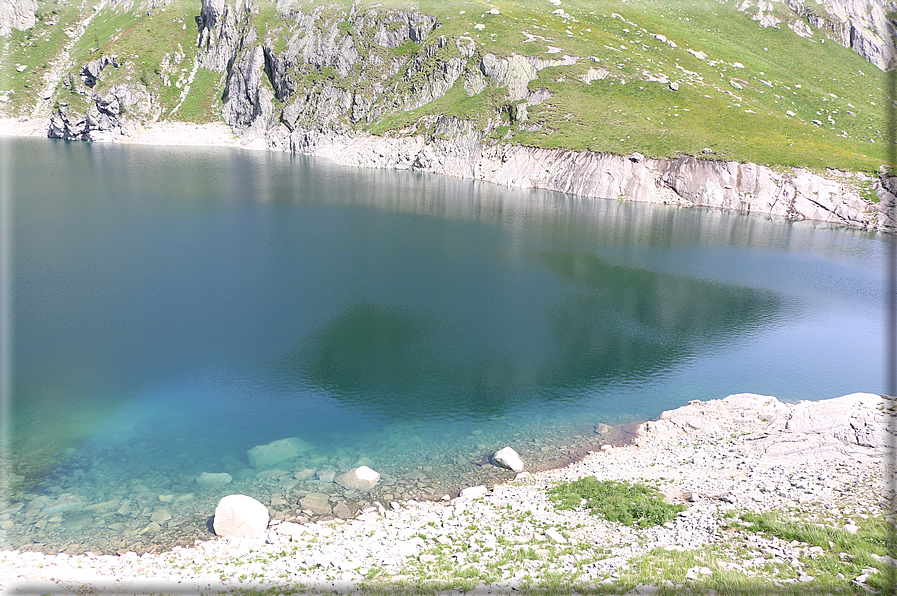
(240, 516)
(17, 14)
(119, 111)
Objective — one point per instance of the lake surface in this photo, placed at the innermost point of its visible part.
(174, 307)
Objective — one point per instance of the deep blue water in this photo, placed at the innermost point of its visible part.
(175, 307)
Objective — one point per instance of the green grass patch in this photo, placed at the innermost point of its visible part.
(629, 504)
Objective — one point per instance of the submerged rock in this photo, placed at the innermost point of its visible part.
(66, 502)
(263, 457)
(317, 503)
(207, 480)
(240, 516)
(508, 458)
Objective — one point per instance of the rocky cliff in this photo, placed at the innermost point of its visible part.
(866, 27)
(285, 98)
(17, 14)
(684, 181)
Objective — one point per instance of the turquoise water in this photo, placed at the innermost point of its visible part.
(174, 308)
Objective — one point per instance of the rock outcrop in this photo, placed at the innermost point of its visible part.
(684, 181)
(779, 432)
(17, 14)
(861, 25)
(119, 112)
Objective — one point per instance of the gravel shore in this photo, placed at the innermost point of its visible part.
(827, 460)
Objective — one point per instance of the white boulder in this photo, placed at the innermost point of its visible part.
(361, 478)
(508, 458)
(240, 516)
(263, 457)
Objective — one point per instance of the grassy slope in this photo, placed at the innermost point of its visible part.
(622, 113)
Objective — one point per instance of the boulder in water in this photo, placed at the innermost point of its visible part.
(508, 458)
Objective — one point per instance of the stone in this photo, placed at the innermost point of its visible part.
(209, 480)
(263, 457)
(65, 502)
(290, 529)
(104, 507)
(342, 511)
(317, 503)
(553, 534)
(161, 515)
(851, 528)
(269, 474)
(240, 516)
(474, 492)
(304, 474)
(674, 86)
(706, 150)
(509, 459)
(361, 478)
(636, 157)
(76, 521)
(326, 476)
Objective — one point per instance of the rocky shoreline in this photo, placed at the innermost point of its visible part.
(685, 181)
(828, 460)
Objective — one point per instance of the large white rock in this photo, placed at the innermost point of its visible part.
(240, 516)
(263, 457)
(508, 458)
(361, 478)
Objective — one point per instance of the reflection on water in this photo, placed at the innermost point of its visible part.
(177, 307)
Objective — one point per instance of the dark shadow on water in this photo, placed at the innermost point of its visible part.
(611, 324)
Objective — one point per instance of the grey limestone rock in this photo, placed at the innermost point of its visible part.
(90, 72)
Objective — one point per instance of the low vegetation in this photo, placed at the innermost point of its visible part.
(630, 504)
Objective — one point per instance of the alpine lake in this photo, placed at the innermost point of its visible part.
(172, 308)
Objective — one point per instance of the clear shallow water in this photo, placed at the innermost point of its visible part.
(176, 307)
